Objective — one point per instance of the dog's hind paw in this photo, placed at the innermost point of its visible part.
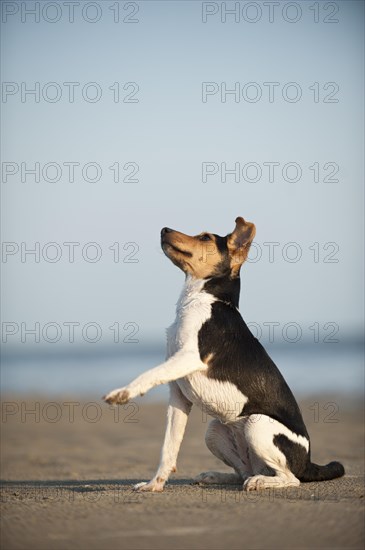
(259, 482)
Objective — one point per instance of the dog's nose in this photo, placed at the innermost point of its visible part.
(165, 230)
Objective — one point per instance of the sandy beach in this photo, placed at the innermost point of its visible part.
(67, 468)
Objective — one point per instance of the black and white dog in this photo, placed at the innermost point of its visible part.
(215, 362)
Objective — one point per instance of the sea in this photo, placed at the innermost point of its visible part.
(309, 369)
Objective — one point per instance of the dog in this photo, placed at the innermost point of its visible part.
(215, 362)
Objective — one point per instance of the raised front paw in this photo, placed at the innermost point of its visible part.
(155, 486)
(118, 396)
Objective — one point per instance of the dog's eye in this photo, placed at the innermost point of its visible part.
(205, 237)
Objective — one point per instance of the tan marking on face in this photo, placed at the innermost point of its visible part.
(199, 258)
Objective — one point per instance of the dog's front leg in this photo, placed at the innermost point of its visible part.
(179, 365)
(177, 416)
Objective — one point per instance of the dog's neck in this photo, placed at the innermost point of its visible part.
(224, 289)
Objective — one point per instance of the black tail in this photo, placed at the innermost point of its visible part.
(314, 472)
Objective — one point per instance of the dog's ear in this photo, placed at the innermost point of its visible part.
(243, 233)
(239, 242)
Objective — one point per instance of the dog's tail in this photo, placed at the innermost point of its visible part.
(314, 472)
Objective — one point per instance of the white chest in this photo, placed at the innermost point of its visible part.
(193, 308)
(220, 399)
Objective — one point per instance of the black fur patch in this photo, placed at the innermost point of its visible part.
(221, 243)
(239, 358)
(225, 289)
(295, 454)
(299, 462)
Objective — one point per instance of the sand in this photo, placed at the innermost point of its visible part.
(67, 472)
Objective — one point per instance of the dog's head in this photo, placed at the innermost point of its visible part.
(208, 255)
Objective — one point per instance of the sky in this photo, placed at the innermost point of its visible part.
(150, 114)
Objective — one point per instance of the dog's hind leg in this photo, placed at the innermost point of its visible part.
(271, 467)
(227, 443)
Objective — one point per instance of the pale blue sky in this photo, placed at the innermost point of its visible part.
(169, 133)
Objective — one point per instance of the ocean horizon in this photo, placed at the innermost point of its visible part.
(308, 369)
